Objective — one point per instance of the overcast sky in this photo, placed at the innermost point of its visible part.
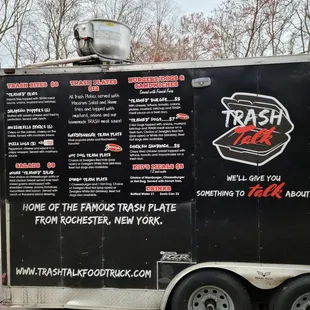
(186, 6)
(205, 6)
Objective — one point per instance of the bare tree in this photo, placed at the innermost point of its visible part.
(247, 28)
(230, 24)
(279, 14)
(58, 19)
(36, 43)
(197, 37)
(159, 47)
(38, 30)
(10, 13)
(301, 25)
(164, 13)
(13, 39)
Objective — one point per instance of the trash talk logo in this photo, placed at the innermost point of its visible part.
(260, 128)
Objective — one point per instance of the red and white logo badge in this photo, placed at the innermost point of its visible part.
(113, 148)
(46, 142)
(260, 128)
(182, 116)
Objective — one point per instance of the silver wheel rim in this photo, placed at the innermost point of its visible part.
(210, 298)
(302, 302)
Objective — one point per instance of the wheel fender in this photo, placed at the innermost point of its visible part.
(262, 276)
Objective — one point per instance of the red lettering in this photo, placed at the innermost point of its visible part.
(140, 167)
(38, 84)
(247, 140)
(16, 85)
(80, 82)
(105, 82)
(27, 165)
(162, 166)
(93, 88)
(262, 136)
(158, 188)
(267, 136)
(242, 131)
(179, 166)
(273, 190)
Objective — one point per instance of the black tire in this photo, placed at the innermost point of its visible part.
(289, 292)
(232, 286)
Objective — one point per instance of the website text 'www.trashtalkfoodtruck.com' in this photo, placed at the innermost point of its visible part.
(69, 272)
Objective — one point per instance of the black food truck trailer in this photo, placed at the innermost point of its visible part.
(172, 185)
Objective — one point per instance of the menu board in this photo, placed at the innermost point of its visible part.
(95, 161)
(125, 136)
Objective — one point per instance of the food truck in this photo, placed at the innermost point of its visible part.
(173, 185)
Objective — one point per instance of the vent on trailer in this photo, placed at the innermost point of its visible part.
(108, 39)
(97, 41)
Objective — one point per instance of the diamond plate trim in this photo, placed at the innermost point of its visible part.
(114, 299)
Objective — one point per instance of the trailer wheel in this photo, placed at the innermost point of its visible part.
(211, 290)
(294, 295)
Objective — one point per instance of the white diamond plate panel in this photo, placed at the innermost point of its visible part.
(41, 297)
